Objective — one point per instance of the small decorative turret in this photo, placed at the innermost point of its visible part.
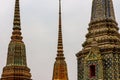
(60, 66)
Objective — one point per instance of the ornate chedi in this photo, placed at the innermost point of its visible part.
(16, 67)
(60, 66)
(100, 57)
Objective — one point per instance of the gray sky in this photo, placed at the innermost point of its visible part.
(39, 20)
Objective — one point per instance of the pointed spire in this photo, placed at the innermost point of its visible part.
(60, 65)
(16, 34)
(16, 42)
(60, 43)
(17, 15)
(16, 66)
(102, 9)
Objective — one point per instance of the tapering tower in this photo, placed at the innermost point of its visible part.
(101, 62)
(16, 67)
(60, 66)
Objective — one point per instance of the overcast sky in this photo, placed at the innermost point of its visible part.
(39, 20)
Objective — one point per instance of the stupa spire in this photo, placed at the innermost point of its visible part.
(17, 15)
(60, 43)
(60, 66)
(16, 66)
(16, 40)
(16, 34)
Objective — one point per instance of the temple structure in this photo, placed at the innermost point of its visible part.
(100, 57)
(16, 66)
(60, 66)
